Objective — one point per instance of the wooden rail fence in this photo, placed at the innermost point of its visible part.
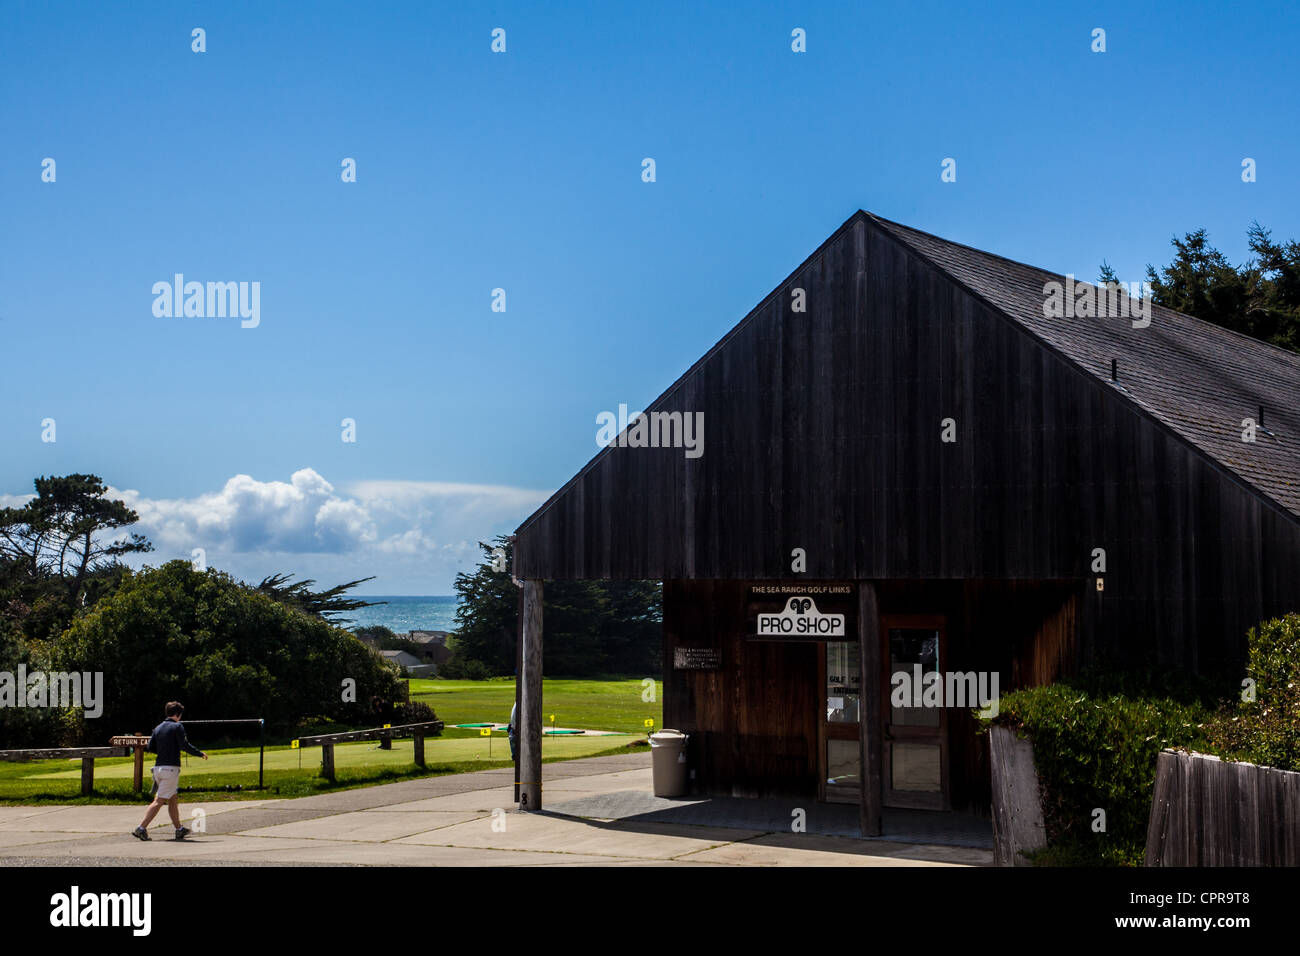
(87, 755)
(384, 735)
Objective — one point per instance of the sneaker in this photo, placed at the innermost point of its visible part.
(140, 833)
(182, 832)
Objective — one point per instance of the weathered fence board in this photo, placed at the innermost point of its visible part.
(428, 728)
(1207, 812)
(60, 753)
(1017, 802)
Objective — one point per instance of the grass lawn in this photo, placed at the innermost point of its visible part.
(584, 704)
(356, 764)
(614, 705)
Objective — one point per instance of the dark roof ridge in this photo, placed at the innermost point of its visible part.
(1285, 353)
(1234, 474)
(898, 232)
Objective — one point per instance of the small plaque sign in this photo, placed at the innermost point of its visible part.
(697, 658)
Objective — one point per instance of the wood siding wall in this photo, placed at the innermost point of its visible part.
(823, 433)
(753, 722)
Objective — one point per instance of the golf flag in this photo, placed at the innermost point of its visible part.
(485, 732)
(293, 744)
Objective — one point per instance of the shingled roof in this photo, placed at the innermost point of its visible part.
(1197, 378)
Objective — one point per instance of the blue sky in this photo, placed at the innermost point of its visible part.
(522, 171)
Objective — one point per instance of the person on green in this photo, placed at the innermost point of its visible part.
(167, 741)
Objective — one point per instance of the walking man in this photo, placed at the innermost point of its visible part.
(167, 741)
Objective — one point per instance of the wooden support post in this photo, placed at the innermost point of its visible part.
(870, 714)
(419, 750)
(519, 672)
(87, 775)
(327, 761)
(530, 707)
(138, 780)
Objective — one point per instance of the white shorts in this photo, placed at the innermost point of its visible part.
(167, 779)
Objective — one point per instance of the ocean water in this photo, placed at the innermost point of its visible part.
(435, 612)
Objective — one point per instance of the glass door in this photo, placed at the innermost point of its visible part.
(915, 728)
(841, 758)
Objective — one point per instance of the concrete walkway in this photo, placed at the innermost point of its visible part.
(457, 820)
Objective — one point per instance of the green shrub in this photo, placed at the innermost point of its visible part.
(458, 667)
(1265, 730)
(412, 712)
(1097, 752)
(222, 649)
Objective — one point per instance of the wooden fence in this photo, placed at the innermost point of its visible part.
(1206, 812)
(1017, 802)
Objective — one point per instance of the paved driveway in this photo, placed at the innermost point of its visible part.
(459, 820)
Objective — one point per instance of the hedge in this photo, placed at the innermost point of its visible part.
(1097, 753)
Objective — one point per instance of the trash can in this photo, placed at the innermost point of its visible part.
(668, 760)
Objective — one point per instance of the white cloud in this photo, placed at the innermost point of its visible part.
(413, 535)
(301, 516)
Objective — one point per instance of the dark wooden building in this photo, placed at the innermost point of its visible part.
(961, 481)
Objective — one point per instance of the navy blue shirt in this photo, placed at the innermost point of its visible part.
(167, 741)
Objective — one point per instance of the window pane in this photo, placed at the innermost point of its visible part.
(843, 761)
(915, 767)
(913, 652)
(843, 682)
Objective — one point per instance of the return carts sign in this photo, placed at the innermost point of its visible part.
(801, 613)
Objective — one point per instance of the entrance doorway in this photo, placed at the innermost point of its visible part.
(915, 736)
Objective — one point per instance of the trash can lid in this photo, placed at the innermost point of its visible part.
(665, 737)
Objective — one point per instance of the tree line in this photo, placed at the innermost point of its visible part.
(590, 628)
(1259, 298)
